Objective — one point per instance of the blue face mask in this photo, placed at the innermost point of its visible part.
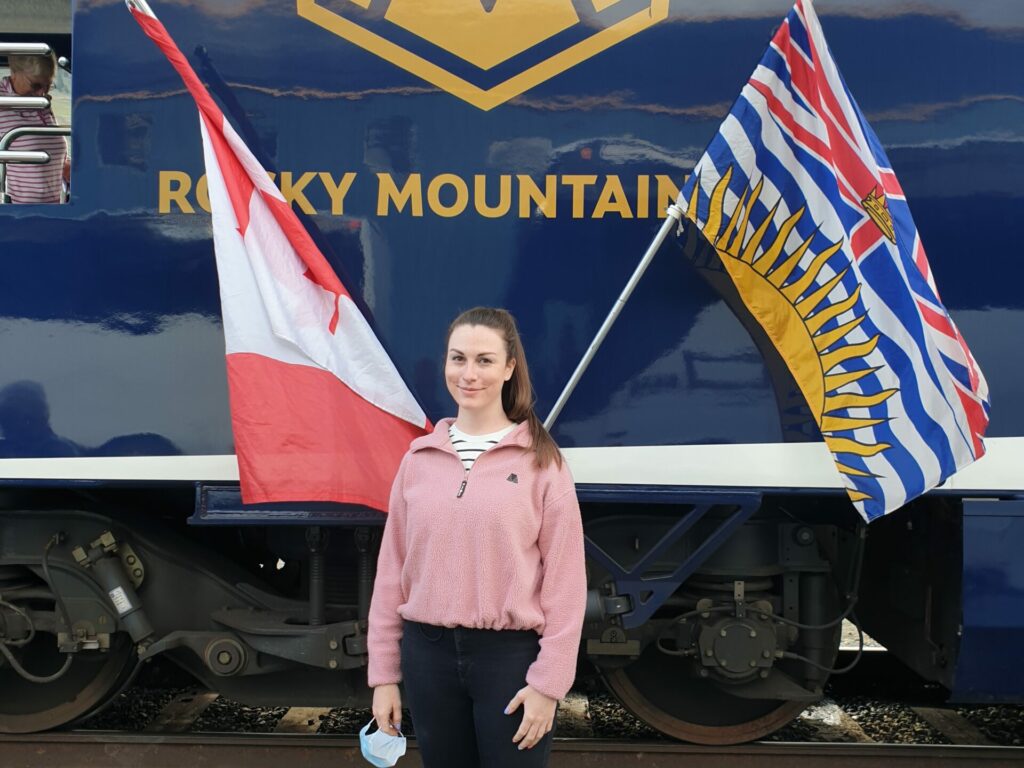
(379, 748)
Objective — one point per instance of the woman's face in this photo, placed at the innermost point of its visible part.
(476, 367)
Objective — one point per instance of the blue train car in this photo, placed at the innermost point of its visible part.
(518, 154)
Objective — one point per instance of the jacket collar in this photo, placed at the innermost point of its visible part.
(520, 435)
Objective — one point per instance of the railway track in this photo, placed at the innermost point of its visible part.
(885, 704)
(154, 750)
(153, 727)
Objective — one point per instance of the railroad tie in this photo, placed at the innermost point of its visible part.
(954, 726)
(301, 720)
(180, 712)
(573, 717)
(834, 724)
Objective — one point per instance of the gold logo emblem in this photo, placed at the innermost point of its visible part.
(485, 51)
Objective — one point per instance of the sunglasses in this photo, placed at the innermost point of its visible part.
(35, 85)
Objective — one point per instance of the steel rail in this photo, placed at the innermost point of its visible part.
(100, 748)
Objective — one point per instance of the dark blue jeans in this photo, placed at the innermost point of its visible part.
(457, 683)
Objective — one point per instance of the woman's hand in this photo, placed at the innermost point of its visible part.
(387, 708)
(538, 716)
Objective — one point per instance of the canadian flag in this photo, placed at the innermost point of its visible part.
(318, 410)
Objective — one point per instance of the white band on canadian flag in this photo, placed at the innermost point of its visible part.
(272, 309)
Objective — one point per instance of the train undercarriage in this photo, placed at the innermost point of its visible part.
(713, 619)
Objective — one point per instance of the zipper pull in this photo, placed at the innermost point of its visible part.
(462, 490)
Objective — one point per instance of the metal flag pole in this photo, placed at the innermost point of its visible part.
(674, 215)
(141, 6)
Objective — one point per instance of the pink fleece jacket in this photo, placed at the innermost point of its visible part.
(505, 553)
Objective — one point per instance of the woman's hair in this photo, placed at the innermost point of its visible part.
(517, 393)
(33, 65)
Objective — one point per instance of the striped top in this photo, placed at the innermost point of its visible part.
(469, 447)
(32, 183)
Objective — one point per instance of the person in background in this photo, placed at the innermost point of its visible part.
(28, 183)
(480, 592)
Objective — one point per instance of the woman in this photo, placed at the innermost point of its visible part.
(29, 183)
(481, 586)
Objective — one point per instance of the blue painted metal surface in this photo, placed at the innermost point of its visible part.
(111, 307)
(989, 665)
(647, 591)
(222, 505)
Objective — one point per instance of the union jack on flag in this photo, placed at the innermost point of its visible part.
(798, 198)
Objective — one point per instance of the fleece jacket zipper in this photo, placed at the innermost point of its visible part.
(465, 478)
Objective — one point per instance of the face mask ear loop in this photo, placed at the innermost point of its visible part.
(367, 727)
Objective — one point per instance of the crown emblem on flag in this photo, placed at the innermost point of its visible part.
(485, 51)
(878, 210)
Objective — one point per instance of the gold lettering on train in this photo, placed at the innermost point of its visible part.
(293, 190)
(459, 190)
(643, 191)
(504, 196)
(337, 190)
(388, 192)
(578, 183)
(450, 195)
(612, 200)
(174, 187)
(668, 192)
(203, 194)
(529, 193)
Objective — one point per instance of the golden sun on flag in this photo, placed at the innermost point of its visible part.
(794, 311)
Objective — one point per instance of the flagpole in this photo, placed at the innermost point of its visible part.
(674, 215)
(140, 5)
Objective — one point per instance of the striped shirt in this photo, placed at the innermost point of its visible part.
(32, 183)
(469, 447)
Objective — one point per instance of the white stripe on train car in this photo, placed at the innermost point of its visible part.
(762, 465)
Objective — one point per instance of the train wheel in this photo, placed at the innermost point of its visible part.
(693, 710)
(92, 678)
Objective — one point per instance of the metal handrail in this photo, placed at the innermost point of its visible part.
(24, 102)
(23, 156)
(15, 133)
(33, 130)
(24, 49)
(33, 49)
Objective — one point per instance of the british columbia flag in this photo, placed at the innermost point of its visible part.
(806, 215)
